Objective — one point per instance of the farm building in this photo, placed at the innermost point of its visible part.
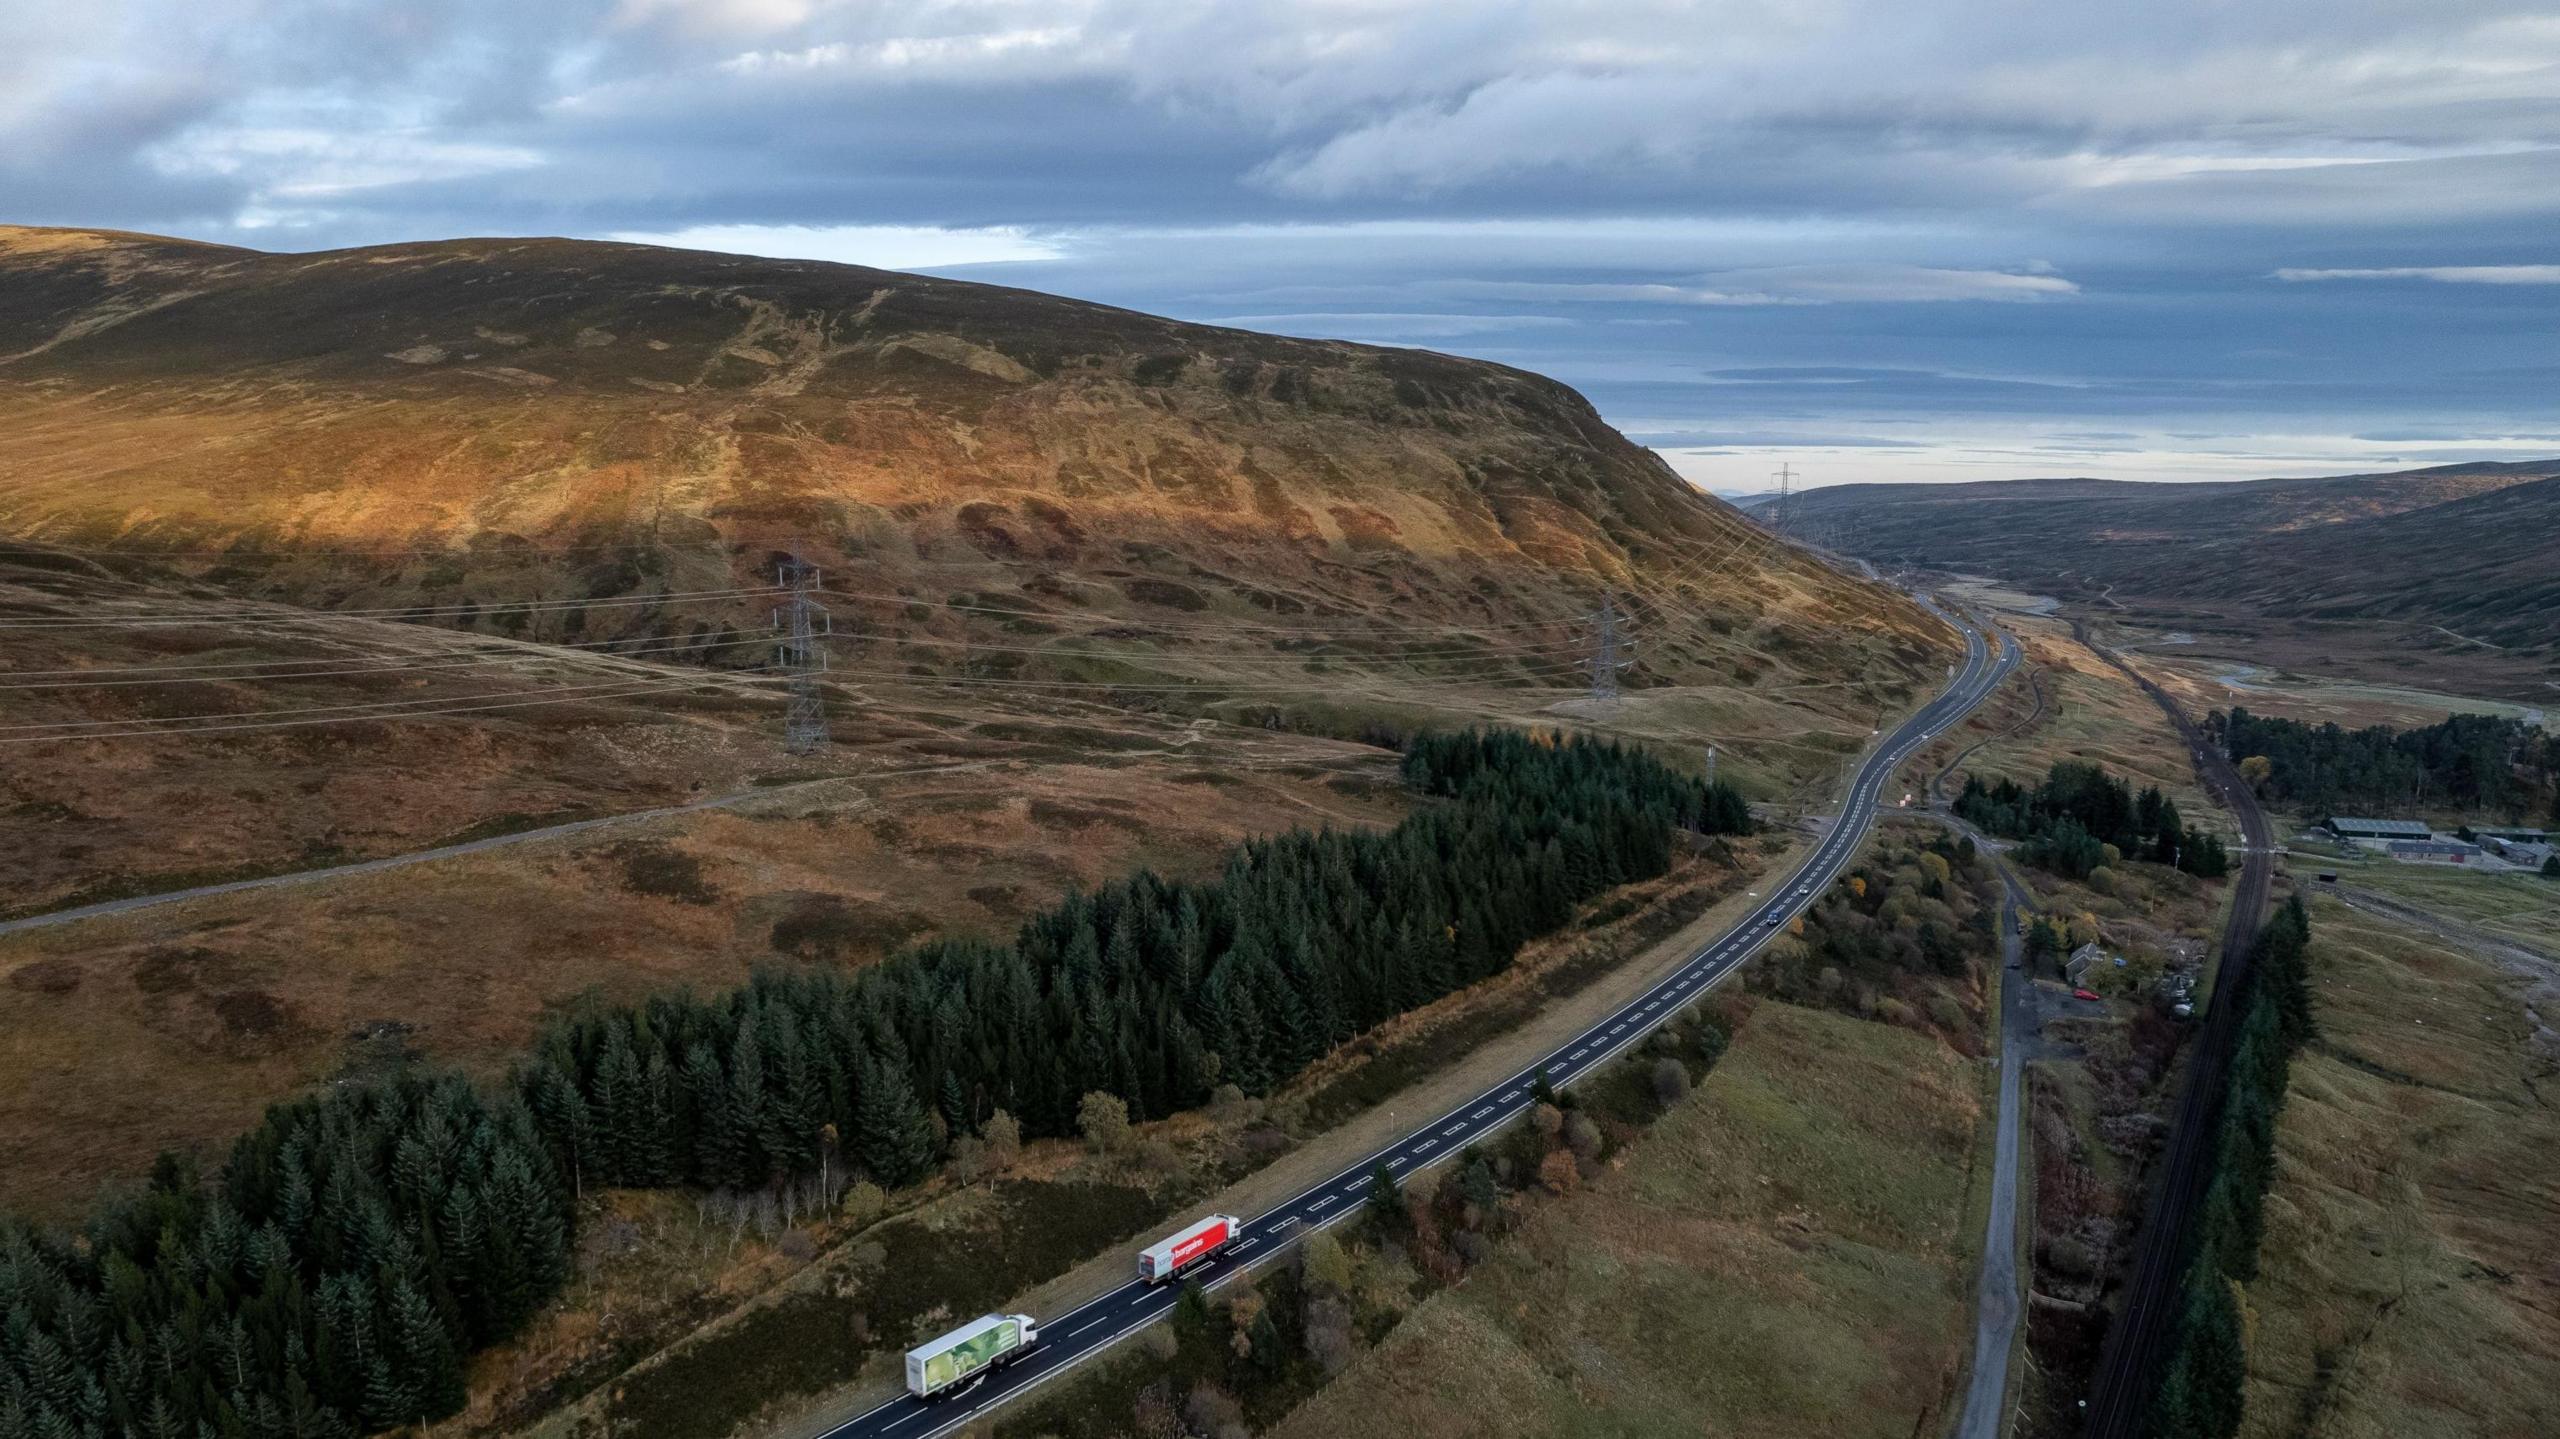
(2431, 851)
(2378, 831)
(2525, 852)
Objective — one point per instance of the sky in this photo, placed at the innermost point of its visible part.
(1916, 240)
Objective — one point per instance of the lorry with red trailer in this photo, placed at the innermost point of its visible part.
(1168, 1257)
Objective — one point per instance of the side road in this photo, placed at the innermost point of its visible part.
(395, 861)
(1999, 1295)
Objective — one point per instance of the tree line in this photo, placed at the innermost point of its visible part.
(1151, 990)
(2068, 822)
(2201, 1392)
(357, 1245)
(2485, 764)
(328, 1282)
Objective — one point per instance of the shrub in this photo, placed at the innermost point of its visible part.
(1945, 1012)
(1212, 1411)
(1670, 1082)
(655, 870)
(1559, 1172)
(1713, 1039)
(1003, 1134)
(1582, 1137)
(1328, 1326)
(1103, 1119)
(1323, 1266)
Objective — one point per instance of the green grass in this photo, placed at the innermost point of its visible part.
(2521, 907)
(2403, 1281)
(1783, 1254)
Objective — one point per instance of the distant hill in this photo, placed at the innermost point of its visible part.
(2474, 549)
(476, 419)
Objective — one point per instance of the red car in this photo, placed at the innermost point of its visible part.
(2084, 994)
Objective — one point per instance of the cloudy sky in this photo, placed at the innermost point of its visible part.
(1879, 239)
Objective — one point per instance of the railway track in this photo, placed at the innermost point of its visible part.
(2146, 1312)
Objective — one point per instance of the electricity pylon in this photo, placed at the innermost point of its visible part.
(802, 622)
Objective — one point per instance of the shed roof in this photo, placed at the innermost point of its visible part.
(2430, 846)
(2395, 828)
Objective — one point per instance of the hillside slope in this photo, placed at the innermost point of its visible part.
(2459, 556)
(607, 420)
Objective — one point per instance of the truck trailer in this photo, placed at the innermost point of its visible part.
(969, 1353)
(1168, 1257)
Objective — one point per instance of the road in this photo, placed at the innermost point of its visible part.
(1069, 1339)
(2138, 1337)
(423, 856)
(1998, 1296)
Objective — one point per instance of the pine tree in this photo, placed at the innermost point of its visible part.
(618, 1106)
(1386, 1204)
(891, 1135)
(748, 1164)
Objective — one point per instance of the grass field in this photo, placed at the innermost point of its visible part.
(2521, 907)
(2407, 1284)
(2210, 684)
(2091, 712)
(1785, 1254)
(206, 1012)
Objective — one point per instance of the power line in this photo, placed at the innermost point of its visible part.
(372, 665)
(717, 639)
(184, 725)
(271, 612)
(1237, 627)
(174, 722)
(637, 689)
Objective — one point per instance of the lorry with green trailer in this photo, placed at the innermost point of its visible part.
(942, 1367)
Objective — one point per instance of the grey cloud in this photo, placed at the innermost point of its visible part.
(1732, 221)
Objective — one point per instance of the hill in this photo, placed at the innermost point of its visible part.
(2459, 561)
(316, 559)
(618, 420)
